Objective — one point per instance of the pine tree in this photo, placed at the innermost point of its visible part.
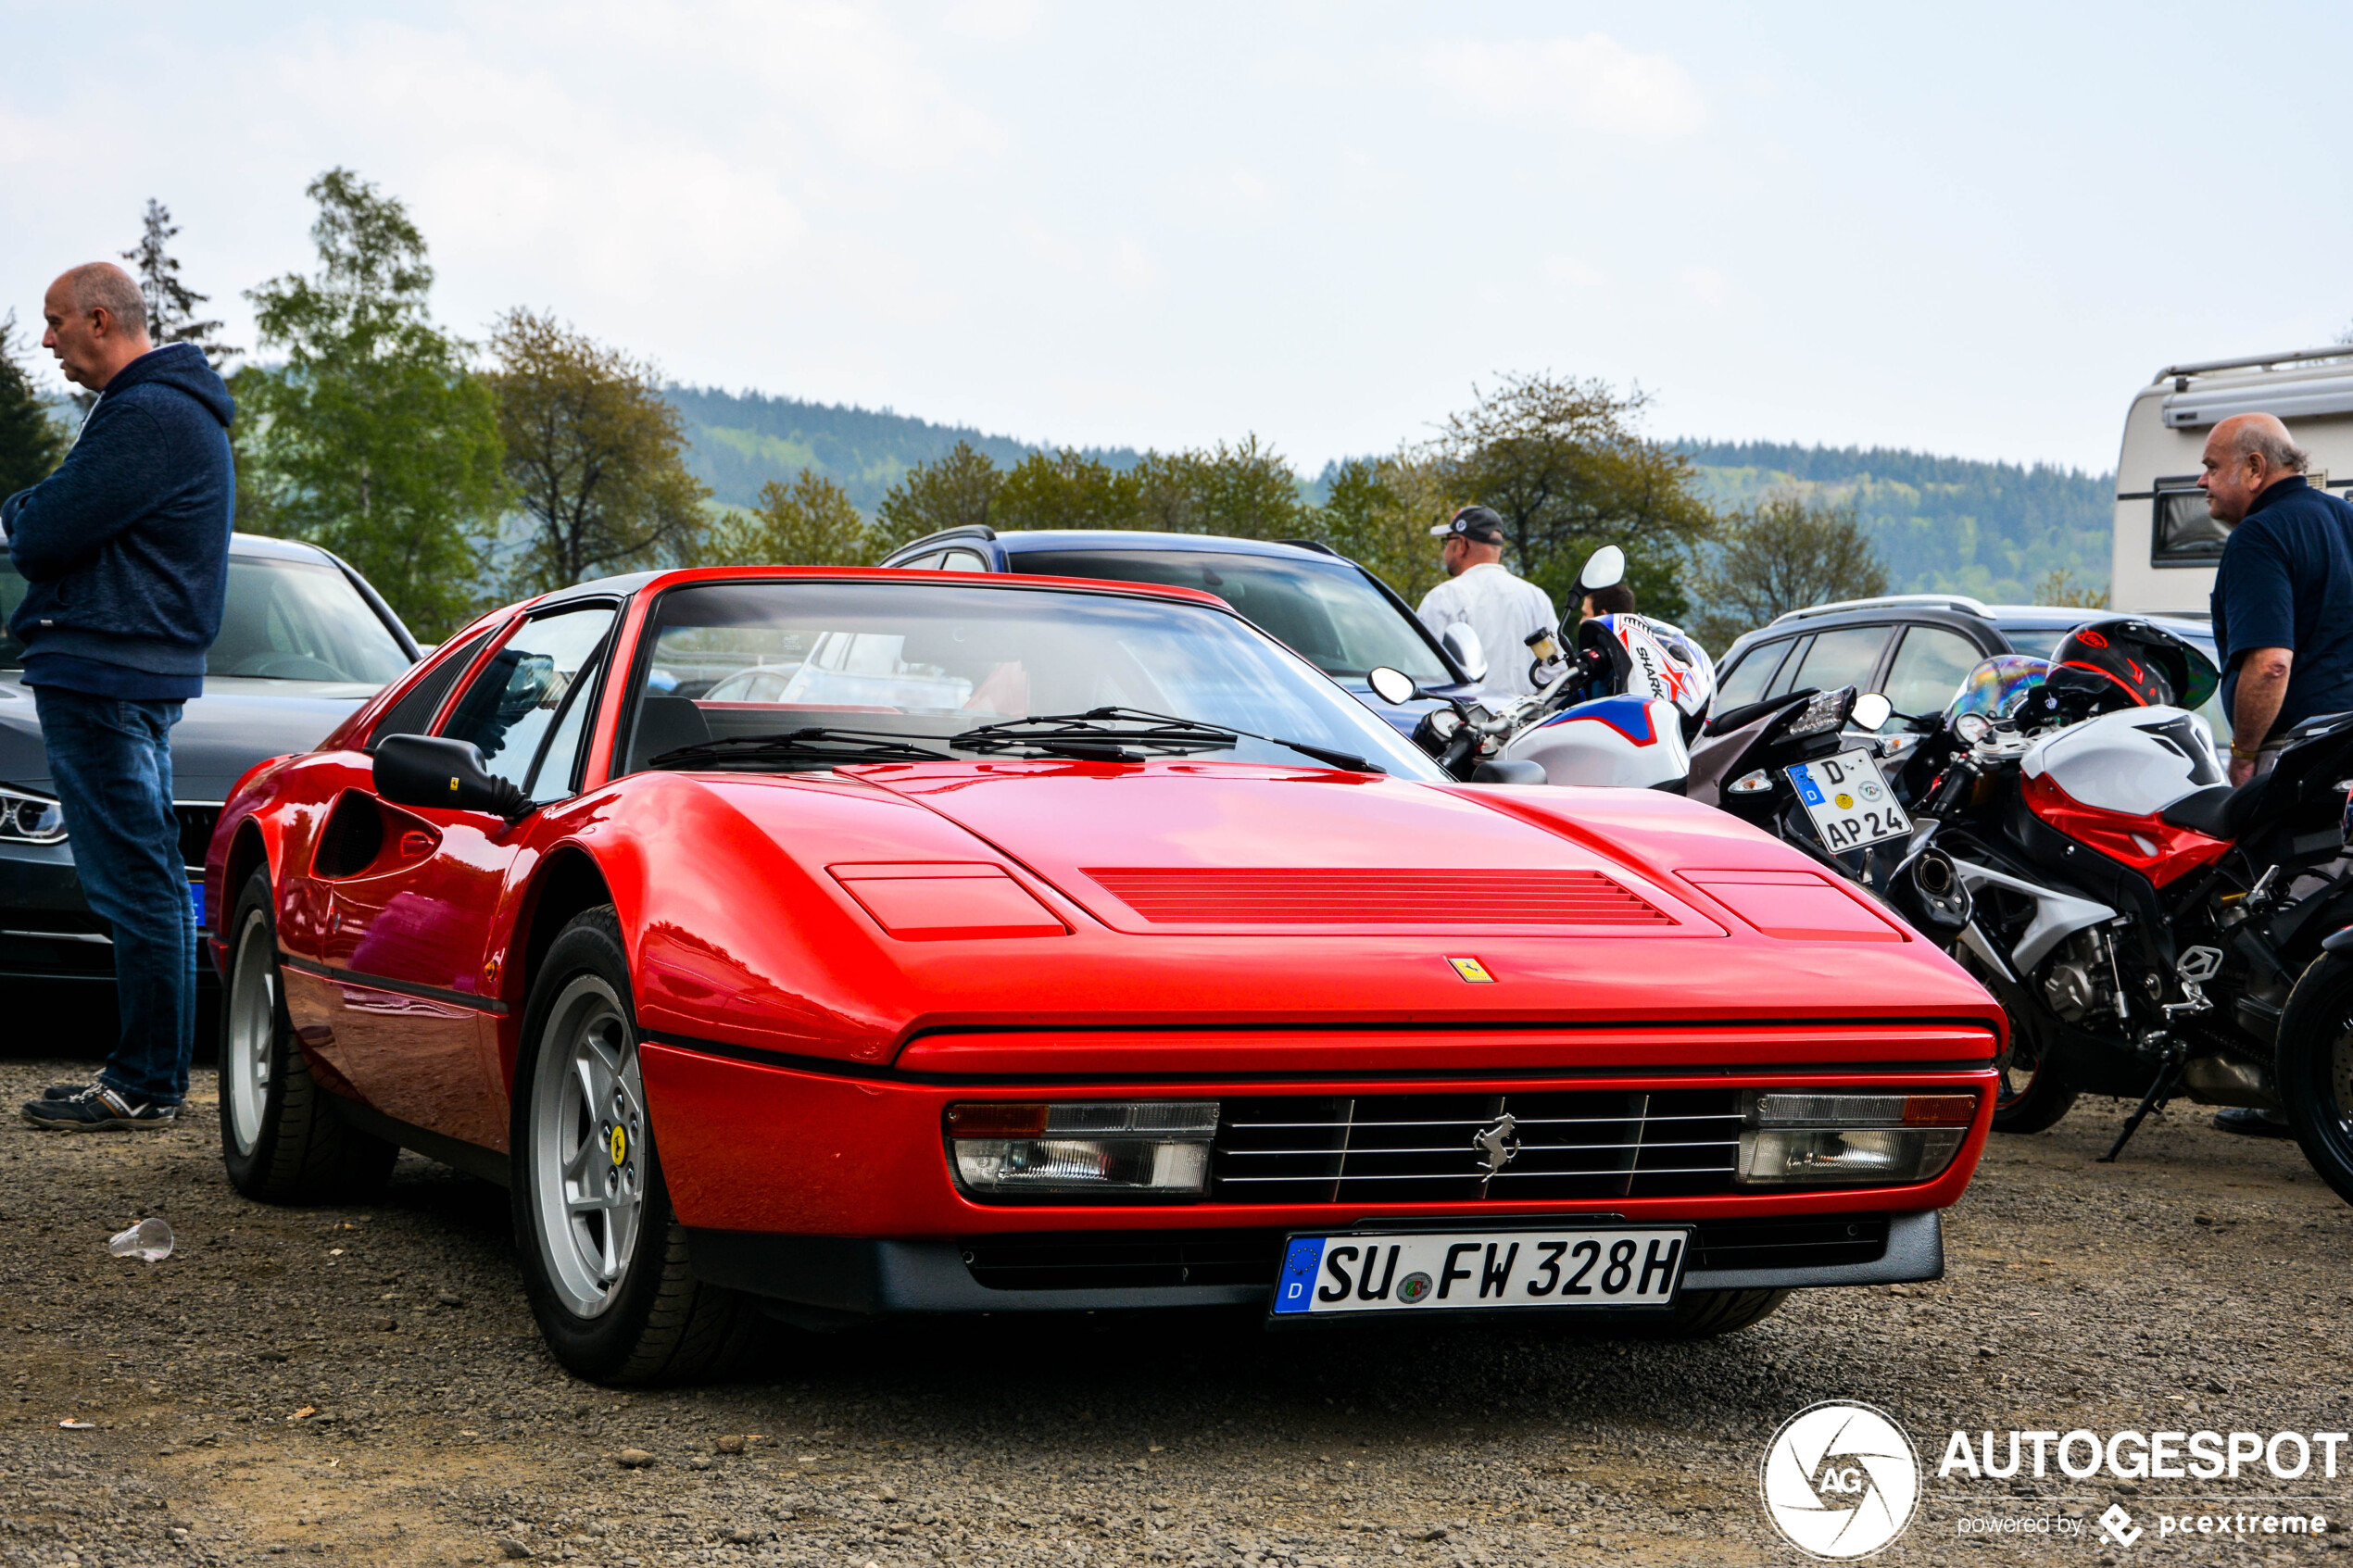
(31, 443)
(171, 305)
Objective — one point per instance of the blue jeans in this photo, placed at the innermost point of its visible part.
(110, 759)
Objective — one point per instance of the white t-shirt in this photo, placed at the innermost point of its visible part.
(1503, 611)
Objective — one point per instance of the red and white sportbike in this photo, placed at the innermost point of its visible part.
(2141, 922)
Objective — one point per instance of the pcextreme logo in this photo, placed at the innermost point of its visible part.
(1839, 1480)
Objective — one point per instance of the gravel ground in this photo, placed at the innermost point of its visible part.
(366, 1384)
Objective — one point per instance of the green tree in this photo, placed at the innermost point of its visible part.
(2061, 586)
(956, 491)
(595, 456)
(171, 305)
(1562, 463)
(31, 443)
(1068, 489)
(373, 437)
(1247, 492)
(1784, 553)
(809, 522)
(1378, 512)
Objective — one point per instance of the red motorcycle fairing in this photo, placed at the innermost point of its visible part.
(2148, 844)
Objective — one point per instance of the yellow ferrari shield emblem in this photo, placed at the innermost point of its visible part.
(1472, 970)
(620, 1147)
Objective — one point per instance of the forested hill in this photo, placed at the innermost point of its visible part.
(1941, 525)
(743, 440)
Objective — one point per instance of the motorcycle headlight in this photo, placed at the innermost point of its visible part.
(1827, 710)
(29, 819)
(1797, 1139)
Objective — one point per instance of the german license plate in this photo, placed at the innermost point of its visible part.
(1453, 1271)
(1850, 803)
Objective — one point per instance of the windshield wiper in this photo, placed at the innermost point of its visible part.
(1108, 734)
(823, 746)
(1117, 734)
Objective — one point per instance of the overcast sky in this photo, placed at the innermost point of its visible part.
(1971, 230)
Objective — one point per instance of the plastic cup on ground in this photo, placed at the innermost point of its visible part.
(149, 1241)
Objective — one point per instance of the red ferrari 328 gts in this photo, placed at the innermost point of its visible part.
(815, 944)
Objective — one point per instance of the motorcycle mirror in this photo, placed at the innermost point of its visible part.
(1871, 710)
(1392, 686)
(1605, 568)
(437, 770)
(1462, 645)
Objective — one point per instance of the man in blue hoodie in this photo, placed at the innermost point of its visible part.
(125, 550)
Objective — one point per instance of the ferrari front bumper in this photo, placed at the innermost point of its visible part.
(862, 1277)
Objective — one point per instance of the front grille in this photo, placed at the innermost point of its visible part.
(1346, 896)
(196, 823)
(1439, 1148)
(1099, 1259)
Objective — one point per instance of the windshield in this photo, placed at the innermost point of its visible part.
(920, 662)
(1329, 615)
(281, 620)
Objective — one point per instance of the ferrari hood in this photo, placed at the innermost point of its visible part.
(830, 915)
(1187, 849)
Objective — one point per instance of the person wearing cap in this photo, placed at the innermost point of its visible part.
(1480, 592)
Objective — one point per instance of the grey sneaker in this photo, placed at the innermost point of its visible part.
(2248, 1121)
(97, 1109)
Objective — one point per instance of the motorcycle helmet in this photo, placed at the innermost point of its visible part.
(2128, 662)
(1996, 687)
(1634, 655)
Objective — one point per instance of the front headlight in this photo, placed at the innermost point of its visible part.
(29, 819)
(1849, 1140)
(1102, 1148)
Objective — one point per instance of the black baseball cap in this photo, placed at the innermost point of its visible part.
(1478, 524)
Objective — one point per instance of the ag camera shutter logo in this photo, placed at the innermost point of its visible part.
(1839, 1480)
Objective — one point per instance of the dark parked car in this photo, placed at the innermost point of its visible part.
(1322, 605)
(1913, 647)
(304, 640)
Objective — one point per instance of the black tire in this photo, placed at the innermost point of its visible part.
(280, 1137)
(2316, 1069)
(649, 1320)
(2033, 1094)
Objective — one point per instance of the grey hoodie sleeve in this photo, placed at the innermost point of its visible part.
(106, 483)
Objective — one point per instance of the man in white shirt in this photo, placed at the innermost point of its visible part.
(1478, 592)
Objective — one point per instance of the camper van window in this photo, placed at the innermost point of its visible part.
(2182, 531)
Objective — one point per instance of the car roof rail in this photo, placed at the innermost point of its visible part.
(1315, 545)
(961, 530)
(1960, 602)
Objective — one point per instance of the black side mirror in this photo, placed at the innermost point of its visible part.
(1511, 773)
(436, 770)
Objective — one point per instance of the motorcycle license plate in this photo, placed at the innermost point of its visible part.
(1850, 803)
(1457, 1270)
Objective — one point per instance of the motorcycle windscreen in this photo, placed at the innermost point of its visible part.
(1997, 685)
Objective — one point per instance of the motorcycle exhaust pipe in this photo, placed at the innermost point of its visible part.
(1927, 890)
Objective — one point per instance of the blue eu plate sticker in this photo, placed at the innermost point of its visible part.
(195, 902)
(1306, 1254)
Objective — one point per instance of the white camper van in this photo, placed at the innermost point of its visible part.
(2166, 545)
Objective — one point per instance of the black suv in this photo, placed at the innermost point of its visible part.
(1913, 647)
(1322, 605)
